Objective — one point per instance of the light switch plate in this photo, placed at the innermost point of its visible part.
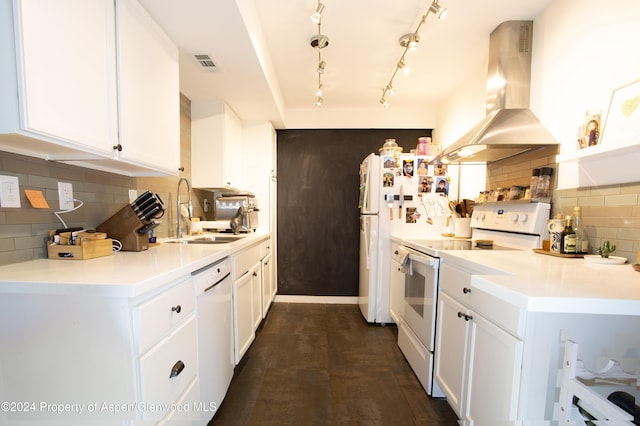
(65, 195)
(9, 192)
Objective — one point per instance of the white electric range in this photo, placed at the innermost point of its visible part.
(495, 226)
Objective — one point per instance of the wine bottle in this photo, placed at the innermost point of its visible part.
(582, 239)
(568, 237)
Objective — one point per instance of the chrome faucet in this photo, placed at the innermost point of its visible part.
(188, 203)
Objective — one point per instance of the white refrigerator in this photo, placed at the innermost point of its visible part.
(384, 181)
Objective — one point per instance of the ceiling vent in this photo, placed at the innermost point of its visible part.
(206, 63)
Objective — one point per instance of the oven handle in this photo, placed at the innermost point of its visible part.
(432, 262)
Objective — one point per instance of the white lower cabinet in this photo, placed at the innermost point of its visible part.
(168, 368)
(120, 360)
(396, 294)
(477, 362)
(268, 288)
(247, 297)
(244, 332)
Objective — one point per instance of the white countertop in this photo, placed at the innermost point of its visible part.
(543, 283)
(128, 274)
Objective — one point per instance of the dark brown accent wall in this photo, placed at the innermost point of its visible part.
(318, 235)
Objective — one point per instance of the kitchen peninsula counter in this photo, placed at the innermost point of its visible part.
(541, 283)
(128, 274)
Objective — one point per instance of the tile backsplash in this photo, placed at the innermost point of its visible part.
(23, 230)
(609, 212)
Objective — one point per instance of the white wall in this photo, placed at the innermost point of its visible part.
(582, 50)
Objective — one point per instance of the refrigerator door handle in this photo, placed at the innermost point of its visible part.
(366, 230)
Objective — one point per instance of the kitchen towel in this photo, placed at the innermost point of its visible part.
(405, 262)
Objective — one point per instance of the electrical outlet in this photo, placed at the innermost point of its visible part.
(9, 192)
(133, 194)
(65, 195)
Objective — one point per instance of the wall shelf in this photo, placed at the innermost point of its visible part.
(599, 165)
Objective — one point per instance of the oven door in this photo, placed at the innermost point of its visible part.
(420, 296)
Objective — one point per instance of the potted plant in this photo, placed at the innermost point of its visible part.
(606, 249)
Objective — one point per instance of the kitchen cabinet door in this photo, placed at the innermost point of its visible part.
(148, 90)
(244, 333)
(493, 379)
(397, 292)
(216, 145)
(268, 290)
(58, 81)
(451, 351)
(256, 277)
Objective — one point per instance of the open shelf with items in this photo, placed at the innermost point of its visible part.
(599, 165)
(582, 401)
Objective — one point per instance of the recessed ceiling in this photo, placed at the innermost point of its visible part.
(266, 68)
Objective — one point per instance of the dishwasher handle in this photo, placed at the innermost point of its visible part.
(217, 282)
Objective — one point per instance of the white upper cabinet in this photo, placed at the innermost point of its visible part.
(216, 145)
(58, 78)
(67, 94)
(148, 89)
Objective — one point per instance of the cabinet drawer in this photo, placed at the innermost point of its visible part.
(157, 316)
(396, 252)
(265, 248)
(505, 315)
(455, 282)
(245, 260)
(157, 385)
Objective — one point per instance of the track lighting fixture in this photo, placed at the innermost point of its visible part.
(319, 42)
(410, 42)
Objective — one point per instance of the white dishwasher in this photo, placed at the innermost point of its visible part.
(214, 320)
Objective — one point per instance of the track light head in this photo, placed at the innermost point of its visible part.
(404, 67)
(317, 15)
(321, 67)
(410, 41)
(384, 102)
(438, 10)
(319, 41)
(319, 101)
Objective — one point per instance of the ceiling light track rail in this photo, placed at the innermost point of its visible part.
(319, 42)
(409, 42)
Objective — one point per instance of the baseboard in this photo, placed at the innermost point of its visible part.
(338, 300)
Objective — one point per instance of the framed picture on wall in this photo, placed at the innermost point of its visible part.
(591, 134)
(622, 123)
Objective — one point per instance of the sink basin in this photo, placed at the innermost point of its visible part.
(210, 239)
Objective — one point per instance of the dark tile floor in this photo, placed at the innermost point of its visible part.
(317, 364)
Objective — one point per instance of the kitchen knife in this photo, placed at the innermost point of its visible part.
(400, 202)
(389, 199)
(148, 227)
(147, 204)
(141, 199)
(151, 211)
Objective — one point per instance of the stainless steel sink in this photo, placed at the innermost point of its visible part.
(210, 239)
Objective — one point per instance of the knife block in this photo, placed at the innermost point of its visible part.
(123, 226)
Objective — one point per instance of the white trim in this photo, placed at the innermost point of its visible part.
(343, 300)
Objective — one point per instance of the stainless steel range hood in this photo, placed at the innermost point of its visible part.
(510, 127)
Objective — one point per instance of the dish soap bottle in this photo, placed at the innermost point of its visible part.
(568, 237)
(582, 239)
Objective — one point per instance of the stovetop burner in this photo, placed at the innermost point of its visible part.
(458, 244)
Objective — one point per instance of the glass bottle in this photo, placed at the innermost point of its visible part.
(582, 239)
(533, 187)
(568, 237)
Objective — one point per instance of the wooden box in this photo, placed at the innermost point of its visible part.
(89, 246)
(88, 250)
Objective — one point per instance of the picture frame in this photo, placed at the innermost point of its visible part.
(591, 130)
(622, 122)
